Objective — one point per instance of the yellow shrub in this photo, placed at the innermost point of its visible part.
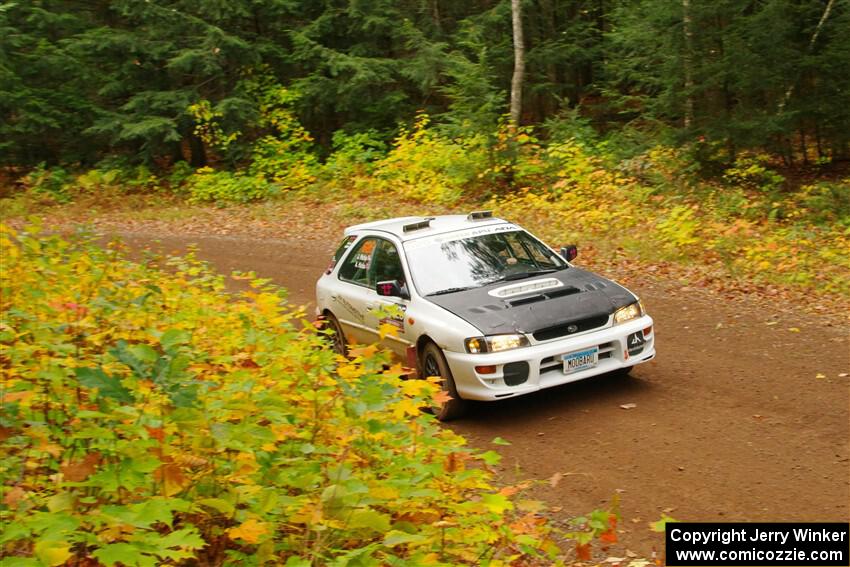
(149, 417)
(428, 167)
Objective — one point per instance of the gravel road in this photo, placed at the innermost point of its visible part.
(743, 415)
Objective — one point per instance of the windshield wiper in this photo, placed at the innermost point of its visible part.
(451, 290)
(523, 275)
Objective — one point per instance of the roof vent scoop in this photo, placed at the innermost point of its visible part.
(478, 215)
(418, 225)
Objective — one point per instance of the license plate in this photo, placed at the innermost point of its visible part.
(580, 360)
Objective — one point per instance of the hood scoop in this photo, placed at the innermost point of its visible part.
(567, 290)
(527, 300)
(521, 288)
(560, 292)
(562, 303)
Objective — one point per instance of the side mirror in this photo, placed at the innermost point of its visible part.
(569, 252)
(391, 288)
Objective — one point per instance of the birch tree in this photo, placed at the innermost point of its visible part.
(519, 62)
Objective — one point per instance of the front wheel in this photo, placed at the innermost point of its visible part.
(433, 363)
(337, 337)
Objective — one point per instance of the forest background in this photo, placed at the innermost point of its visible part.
(725, 125)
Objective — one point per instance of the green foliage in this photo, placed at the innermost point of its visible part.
(751, 78)
(208, 185)
(354, 154)
(157, 82)
(280, 160)
(208, 125)
(150, 417)
(662, 213)
(51, 182)
(678, 229)
(61, 186)
(46, 95)
(823, 202)
(282, 156)
(569, 125)
(752, 172)
(426, 166)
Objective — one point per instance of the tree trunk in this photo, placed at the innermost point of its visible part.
(804, 147)
(688, 63)
(790, 90)
(818, 141)
(519, 63)
(550, 100)
(435, 14)
(198, 157)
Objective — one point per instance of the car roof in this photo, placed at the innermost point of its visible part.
(435, 225)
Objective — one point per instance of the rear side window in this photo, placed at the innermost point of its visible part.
(356, 267)
(346, 242)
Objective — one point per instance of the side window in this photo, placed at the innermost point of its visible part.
(387, 264)
(356, 268)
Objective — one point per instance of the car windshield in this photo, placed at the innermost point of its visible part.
(453, 262)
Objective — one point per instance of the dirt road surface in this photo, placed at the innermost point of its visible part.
(743, 415)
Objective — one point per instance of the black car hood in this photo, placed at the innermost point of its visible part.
(582, 296)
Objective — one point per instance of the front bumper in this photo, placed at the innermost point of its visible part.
(545, 368)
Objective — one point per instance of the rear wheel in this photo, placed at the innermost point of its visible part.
(433, 363)
(337, 337)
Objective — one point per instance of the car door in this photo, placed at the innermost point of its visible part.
(387, 265)
(355, 296)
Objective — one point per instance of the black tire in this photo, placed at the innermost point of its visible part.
(337, 338)
(433, 363)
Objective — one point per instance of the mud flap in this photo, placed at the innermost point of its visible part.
(412, 362)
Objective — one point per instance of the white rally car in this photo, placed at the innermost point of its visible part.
(481, 303)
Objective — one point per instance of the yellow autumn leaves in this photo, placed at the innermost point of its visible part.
(150, 417)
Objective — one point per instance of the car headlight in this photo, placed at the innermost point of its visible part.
(494, 343)
(628, 312)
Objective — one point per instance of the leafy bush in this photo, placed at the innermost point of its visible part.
(179, 174)
(208, 126)
(752, 171)
(49, 182)
(427, 167)
(284, 155)
(281, 161)
(661, 213)
(116, 181)
(569, 124)
(822, 203)
(354, 153)
(150, 417)
(208, 184)
(678, 228)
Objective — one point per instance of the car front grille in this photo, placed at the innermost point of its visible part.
(570, 328)
(606, 351)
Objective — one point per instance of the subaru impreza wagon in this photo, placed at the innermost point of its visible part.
(482, 304)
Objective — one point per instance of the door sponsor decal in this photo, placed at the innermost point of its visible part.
(391, 314)
(351, 309)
